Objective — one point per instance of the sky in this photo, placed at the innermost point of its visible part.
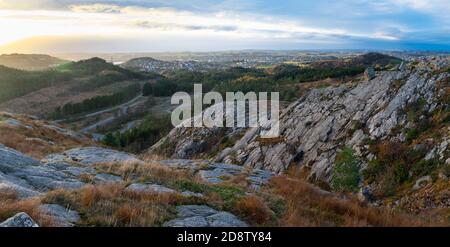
(52, 26)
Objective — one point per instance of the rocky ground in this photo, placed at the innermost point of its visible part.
(31, 178)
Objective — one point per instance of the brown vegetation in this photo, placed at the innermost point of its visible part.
(114, 205)
(147, 172)
(10, 205)
(38, 140)
(306, 205)
(254, 210)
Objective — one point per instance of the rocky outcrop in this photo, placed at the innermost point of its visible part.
(319, 124)
(19, 220)
(203, 216)
(28, 176)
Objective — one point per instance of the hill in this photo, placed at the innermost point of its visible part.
(15, 83)
(38, 92)
(387, 137)
(30, 61)
(371, 59)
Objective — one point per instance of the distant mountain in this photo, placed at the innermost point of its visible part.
(373, 59)
(95, 65)
(30, 61)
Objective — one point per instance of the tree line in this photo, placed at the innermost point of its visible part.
(151, 130)
(98, 102)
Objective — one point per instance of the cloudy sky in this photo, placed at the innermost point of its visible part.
(205, 25)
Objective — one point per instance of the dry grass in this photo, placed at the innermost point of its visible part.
(147, 172)
(114, 205)
(38, 141)
(10, 205)
(306, 205)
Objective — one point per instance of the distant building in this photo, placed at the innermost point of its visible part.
(369, 74)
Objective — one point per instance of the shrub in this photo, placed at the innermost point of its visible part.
(346, 176)
(423, 167)
(373, 170)
(411, 135)
(399, 173)
(390, 152)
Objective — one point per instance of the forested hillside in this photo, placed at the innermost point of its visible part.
(30, 61)
(98, 102)
(91, 73)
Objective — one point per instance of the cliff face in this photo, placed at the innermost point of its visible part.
(314, 128)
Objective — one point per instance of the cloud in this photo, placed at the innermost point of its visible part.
(174, 26)
(96, 8)
(255, 22)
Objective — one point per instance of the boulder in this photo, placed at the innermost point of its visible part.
(204, 216)
(61, 216)
(369, 73)
(19, 220)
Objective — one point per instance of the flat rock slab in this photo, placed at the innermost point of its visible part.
(19, 220)
(219, 172)
(182, 163)
(11, 159)
(71, 169)
(19, 186)
(150, 188)
(215, 173)
(107, 178)
(62, 216)
(28, 176)
(204, 216)
(91, 155)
